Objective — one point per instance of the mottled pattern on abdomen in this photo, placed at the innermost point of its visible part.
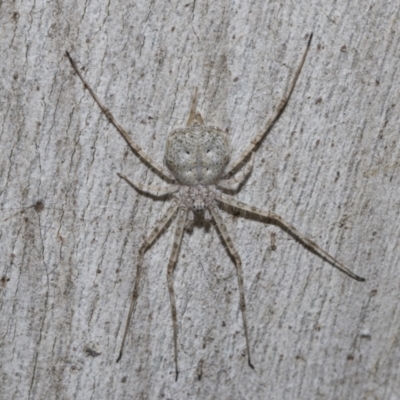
(197, 155)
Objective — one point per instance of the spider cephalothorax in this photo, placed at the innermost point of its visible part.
(197, 199)
(199, 172)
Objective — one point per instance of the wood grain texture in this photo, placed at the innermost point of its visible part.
(71, 228)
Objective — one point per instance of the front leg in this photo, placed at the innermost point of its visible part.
(231, 248)
(304, 240)
(171, 266)
(143, 248)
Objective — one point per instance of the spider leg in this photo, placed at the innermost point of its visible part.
(229, 244)
(235, 182)
(194, 116)
(156, 191)
(171, 266)
(162, 171)
(143, 248)
(304, 240)
(279, 110)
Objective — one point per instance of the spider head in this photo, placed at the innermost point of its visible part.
(199, 211)
(198, 206)
(197, 200)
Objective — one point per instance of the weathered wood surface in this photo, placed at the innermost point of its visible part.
(71, 229)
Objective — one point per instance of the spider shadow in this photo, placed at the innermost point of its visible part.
(198, 222)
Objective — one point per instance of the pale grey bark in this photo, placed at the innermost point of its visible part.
(71, 228)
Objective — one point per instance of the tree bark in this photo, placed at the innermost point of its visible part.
(71, 228)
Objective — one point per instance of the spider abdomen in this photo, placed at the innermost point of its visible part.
(197, 155)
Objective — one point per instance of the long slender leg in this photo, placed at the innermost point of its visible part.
(146, 244)
(304, 240)
(234, 164)
(229, 244)
(170, 277)
(235, 182)
(136, 148)
(194, 116)
(156, 191)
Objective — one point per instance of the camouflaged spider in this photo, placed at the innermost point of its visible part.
(197, 158)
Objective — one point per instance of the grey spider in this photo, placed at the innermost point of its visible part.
(199, 171)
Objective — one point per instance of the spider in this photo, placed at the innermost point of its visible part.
(199, 171)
